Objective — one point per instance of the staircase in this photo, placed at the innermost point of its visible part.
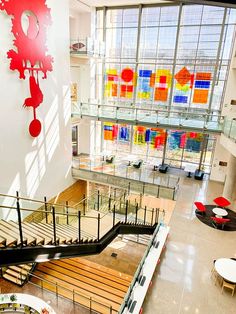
(65, 232)
(17, 274)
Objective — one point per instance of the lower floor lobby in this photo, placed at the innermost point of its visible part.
(182, 282)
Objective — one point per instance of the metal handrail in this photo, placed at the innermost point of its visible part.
(74, 292)
(150, 109)
(34, 200)
(138, 270)
(164, 111)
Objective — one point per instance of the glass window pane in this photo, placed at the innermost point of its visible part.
(191, 14)
(150, 17)
(130, 17)
(212, 15)
(169, 16)
(114, 18)
(129, 43)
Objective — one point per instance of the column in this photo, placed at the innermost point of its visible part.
(230, 181)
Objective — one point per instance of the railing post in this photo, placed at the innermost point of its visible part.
(126, 211)
(109, 204)
(129, 188)
(110, 309)
(56, 290)
(67, 213)
(98, 227)
(145, 212)
(114, 215)
(136, 214)
(46, 209)
(54, 225)
(98, 199)
(152, 216)
(90, 304)
(19, 218)
(79, 226)
(84, 205)
(73, 296)
(157, 215)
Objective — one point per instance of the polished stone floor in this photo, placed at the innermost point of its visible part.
(183, 283)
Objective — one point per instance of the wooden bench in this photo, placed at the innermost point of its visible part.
(99, 270)
(89, 274)
(73, 284)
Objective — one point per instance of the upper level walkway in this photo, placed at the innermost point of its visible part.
(193, 119)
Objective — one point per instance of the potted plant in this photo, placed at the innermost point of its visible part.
(13, 297)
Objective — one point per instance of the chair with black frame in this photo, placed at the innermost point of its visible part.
(163, 168)
(201, 208)
(110, 158)
(219, 222)
(138, 163)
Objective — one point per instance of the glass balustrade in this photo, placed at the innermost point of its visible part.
(229, 128)
(170, 119)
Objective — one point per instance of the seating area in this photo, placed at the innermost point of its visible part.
(224, 273)
(217, 217)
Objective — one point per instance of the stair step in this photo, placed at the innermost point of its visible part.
(18, 269)
(12, 279)
(15, 274)
(10, 233)
(36, 231)
(14, 226)
(27, 267)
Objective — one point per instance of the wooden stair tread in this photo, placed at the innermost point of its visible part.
(35, 230)
(105, 269)
(77, 288)
(15, 274)
(90, 274)
(98, 271)
(87, 280)
(73, 283)
(27, 235)
(40, 240)
(18, 269)
(77, 298)
(67, 230)
(61, 234)
(46, 231)
(10, 233)
(12, 279)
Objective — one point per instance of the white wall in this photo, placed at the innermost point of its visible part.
(230, 91)
(40, 166)
(218, 172)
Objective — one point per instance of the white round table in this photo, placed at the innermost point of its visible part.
(226, 268)
(220, 212)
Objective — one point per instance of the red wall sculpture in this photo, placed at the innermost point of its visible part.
(30, 19)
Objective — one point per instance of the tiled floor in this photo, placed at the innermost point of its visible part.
(182, 283)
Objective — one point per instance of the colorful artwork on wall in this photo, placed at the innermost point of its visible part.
(30, 20)
(156, 85)
(190, 141)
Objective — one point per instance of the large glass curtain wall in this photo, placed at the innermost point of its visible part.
(173, 57)
(146, 143)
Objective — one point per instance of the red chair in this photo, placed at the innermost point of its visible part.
(217, 222)
(200, 207)
(221, 201)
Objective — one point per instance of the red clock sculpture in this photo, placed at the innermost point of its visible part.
(30, 19)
